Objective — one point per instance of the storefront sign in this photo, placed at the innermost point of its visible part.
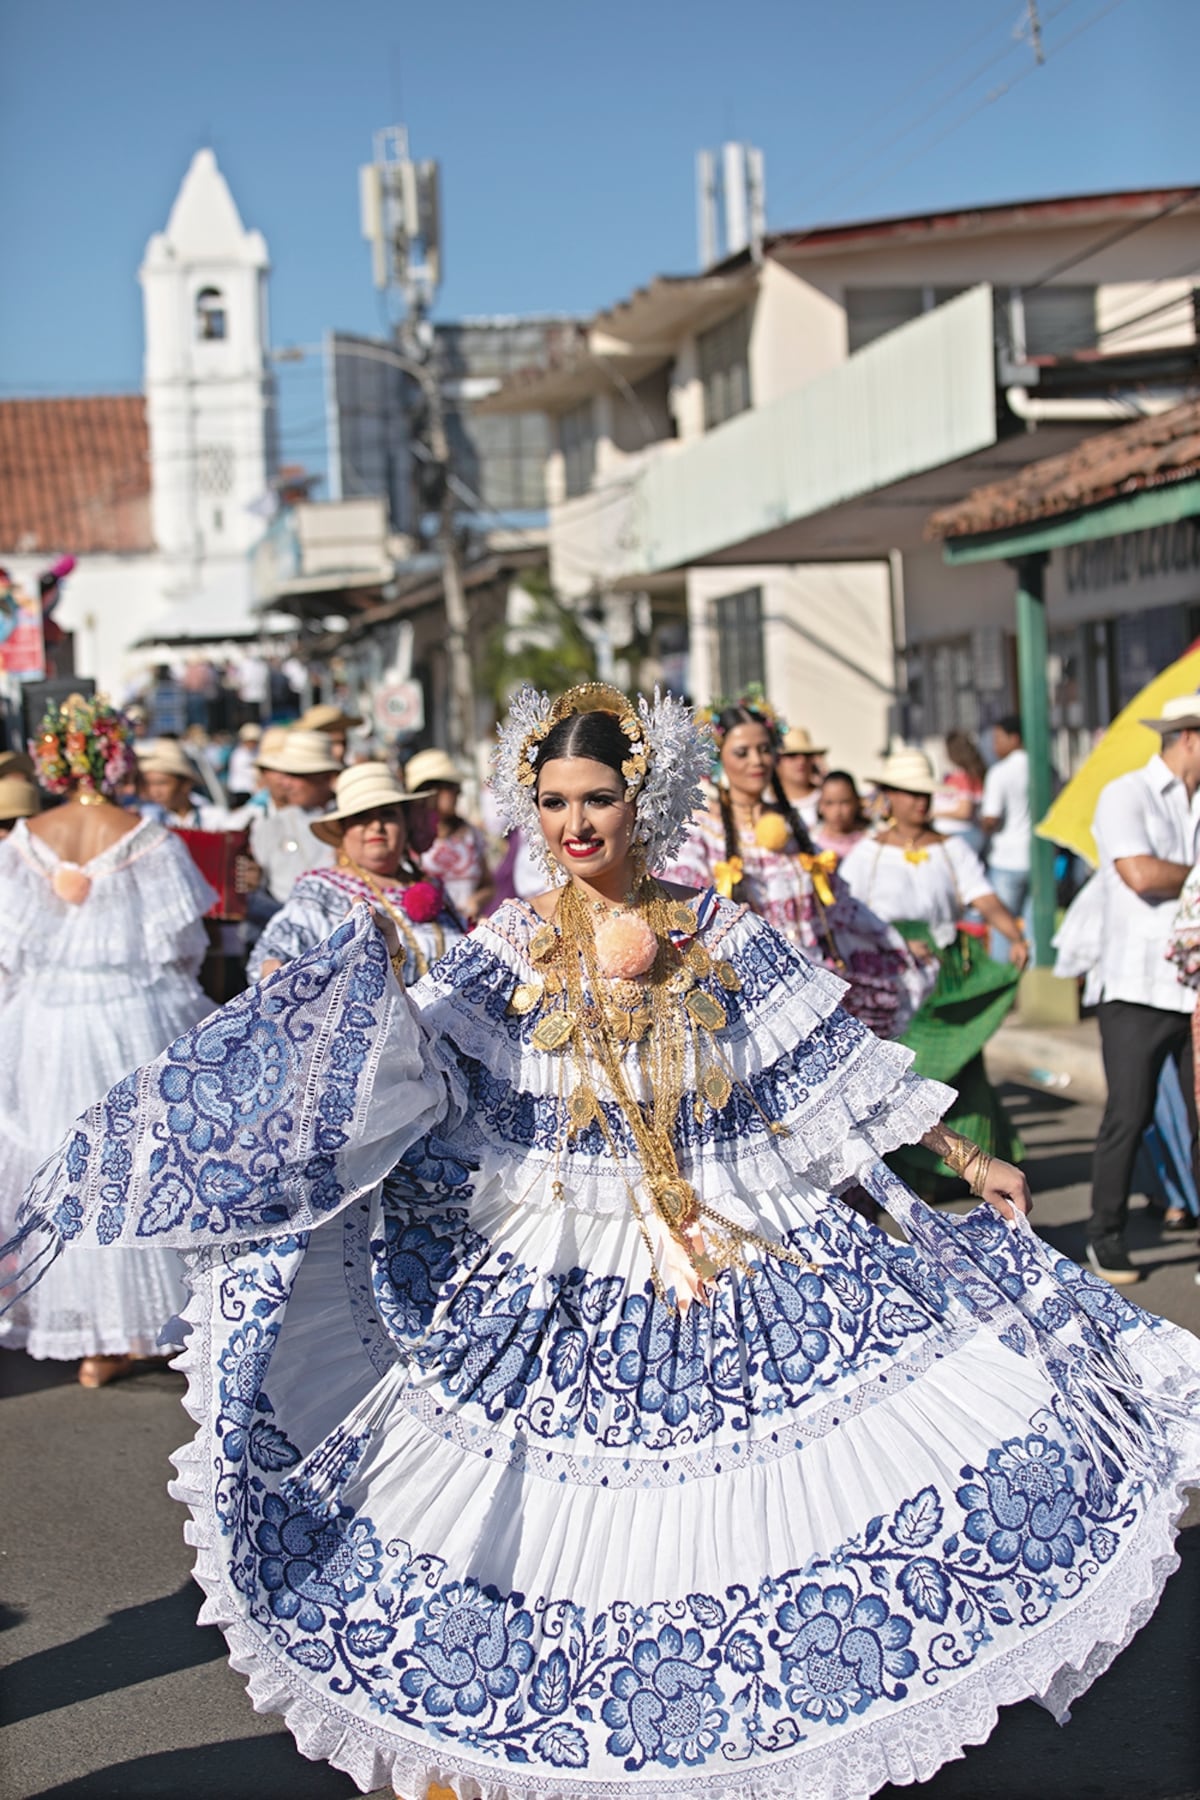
(399, 708)
(1136, 556)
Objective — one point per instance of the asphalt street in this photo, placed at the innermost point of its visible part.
(109, 1688)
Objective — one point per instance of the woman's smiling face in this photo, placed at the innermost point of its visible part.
(747, 758)
(585, 818)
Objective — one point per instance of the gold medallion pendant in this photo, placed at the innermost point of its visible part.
(581, 1108)
(674, 1201)
(705, 1010)
(728, 977)
(552, 1032)
(680, 917)
(716, 1087)
(542, 942)
(525, 997)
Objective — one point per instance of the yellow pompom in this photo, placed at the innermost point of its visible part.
(771, 831)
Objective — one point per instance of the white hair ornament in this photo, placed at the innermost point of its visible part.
(668, 755)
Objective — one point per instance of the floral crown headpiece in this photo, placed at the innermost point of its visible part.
(83, 744)
(752, 699)
(668, 755)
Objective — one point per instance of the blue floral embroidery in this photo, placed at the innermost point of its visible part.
(1025, 1509)
(839, 1648)
(665, 1705)
(471, 1648)
(311, 1566)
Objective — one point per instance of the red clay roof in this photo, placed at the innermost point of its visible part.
(75, 475)
(1150, 453)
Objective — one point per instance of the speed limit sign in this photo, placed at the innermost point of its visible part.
(398, 708)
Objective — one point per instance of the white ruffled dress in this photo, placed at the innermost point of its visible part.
(472, 1506)
(88, 992)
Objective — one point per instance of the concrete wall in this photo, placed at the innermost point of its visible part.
(827, 648)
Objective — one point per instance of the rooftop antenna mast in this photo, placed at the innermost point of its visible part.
(400, 203)
(731, 202)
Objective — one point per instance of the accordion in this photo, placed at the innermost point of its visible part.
(215, 854)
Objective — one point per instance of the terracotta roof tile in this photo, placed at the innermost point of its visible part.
(75, 475)
(1149, 453)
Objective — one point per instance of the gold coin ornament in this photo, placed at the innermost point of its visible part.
(705, 1010)
(729, 978)
(698, 960)
(552, 1032)
(680, 917)
(581, 1108)
(542, 942)
(525, 996)
(716, 1087)
(674, 1201)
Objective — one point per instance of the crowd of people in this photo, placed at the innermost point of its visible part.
(565, 1410)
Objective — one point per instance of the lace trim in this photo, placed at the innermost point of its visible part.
(1054, 1667)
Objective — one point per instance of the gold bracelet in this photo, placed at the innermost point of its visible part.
(980, 1182)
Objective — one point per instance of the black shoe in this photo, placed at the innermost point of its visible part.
(1109, 1257)
(1184, 1222)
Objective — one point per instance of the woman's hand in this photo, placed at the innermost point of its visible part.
(1018, 954)
(1006, 1188)
(920, 950)
(270, 964)
(388, 930)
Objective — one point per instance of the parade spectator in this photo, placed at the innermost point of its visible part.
(841, 819)
(19, 796)
(798, 772)
(1006, 822)
(281, 841)
(167, 780)
(457, 854)
(368, 830)
(1147, 831)
(332, 723)
(957, 802)
(242, 778)
(166, 705)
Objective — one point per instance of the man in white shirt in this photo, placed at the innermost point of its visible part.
(281, 842)
(1005, 820)
(1147, 830)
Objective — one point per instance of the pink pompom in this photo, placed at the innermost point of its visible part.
(422, 901)
(71, 884)
(625, 947)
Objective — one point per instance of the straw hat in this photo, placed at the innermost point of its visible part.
(1180, 714)
(250, 733)
(798, 742)
(430, 769)
(908, 770)
(19, 798)
(327, 718)
(272, 741)
(163, 756)
(15, 762)
(299, 752)
(359, 789)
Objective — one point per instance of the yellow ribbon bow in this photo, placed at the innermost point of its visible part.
(726, 876)
(820, 866)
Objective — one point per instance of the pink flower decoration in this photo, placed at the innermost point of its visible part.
(625, 947)
(422, 901)
(71, 884)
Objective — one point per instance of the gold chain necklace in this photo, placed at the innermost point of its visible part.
(403, 924)
(673, 1011)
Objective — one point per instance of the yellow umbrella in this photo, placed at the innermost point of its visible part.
(1127, 744)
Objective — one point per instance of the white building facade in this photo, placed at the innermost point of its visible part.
(746, 459)
(163, 532)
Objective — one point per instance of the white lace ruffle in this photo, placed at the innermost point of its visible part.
(842, 1104)
(1055, 1665)
(145, 907)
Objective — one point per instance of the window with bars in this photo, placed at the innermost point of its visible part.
(738, 628)
(723, 355)
(577, 441)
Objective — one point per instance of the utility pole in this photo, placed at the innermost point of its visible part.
(401, 220)
(1035, 31)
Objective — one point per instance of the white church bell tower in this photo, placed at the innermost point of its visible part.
(209, 394)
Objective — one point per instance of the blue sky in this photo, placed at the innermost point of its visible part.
(566, 132)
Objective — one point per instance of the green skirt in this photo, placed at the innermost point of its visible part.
(974, 993)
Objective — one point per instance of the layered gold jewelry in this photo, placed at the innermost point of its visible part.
(672, 1016)
(959, 1155)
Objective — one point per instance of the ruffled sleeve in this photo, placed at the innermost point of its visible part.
(696, 858)
(309, 913)
(266, 1119)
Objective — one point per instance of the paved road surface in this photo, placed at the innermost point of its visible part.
(111, 1690)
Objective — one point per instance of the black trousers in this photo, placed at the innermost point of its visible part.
(1136, 1041)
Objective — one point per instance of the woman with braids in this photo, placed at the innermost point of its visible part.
(560, 1433)
(753, 847)
(101, 938)
(367, 826)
